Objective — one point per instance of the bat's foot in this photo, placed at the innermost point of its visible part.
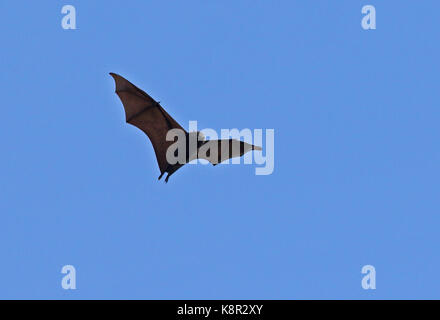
(170, 170)
(161, 175)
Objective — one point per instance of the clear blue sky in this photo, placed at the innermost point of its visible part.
(356, 181)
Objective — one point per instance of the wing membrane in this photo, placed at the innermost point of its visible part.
(146, 114)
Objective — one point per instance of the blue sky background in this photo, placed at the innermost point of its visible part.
(356, 118)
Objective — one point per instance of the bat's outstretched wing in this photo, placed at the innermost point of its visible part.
(145, 113)
(217, 151)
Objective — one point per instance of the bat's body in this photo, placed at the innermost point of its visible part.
(148, 115)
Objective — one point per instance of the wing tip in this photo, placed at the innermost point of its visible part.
(119, 81)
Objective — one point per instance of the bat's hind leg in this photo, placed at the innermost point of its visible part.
(169, 175)
(161, 175)
(171, 170)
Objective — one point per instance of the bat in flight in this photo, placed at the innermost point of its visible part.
(148, 115)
